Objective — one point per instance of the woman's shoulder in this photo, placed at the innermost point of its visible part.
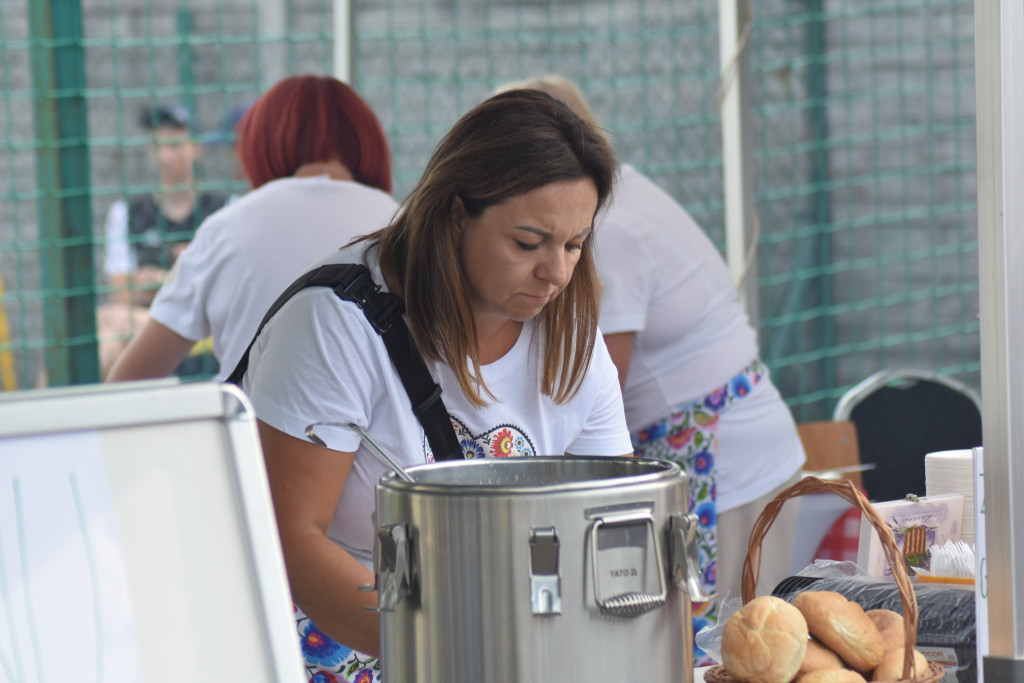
(323, 314)
(343, 190)
(356, 255)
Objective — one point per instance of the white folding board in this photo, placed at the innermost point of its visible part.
(196, 543)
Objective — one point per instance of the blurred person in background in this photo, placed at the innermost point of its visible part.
(694, 387)
(146, 234)
(319, 162)
(225, 142)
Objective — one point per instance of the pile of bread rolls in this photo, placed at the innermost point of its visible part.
(820, 638)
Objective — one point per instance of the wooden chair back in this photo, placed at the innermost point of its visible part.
(830, 444)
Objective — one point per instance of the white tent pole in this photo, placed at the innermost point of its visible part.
(734, 17)
(343, 41)
(273, 26)
(999, 83)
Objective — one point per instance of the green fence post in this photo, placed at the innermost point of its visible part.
(803, 294)
(62, 175)
(821, 197)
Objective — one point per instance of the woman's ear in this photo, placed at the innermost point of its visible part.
(458, 220)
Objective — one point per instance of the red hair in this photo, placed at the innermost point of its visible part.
(308, 118)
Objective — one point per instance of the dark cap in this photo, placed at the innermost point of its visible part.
(166, 115)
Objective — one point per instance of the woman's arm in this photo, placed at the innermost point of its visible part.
(154, 352)
(306, 482)
(620, 348)
(605, 425)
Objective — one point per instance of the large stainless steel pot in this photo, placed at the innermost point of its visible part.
(536, 569)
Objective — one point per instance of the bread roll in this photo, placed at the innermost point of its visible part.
(818, 657)
(891, 666)
(890, 625)
(832, 676)
(842, 626)
(765, 641)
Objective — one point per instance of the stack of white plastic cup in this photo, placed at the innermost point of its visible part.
(953, 472)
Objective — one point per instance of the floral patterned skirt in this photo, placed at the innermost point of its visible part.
(328, 661)
(687, 437)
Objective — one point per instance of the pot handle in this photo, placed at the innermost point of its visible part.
(630, 603)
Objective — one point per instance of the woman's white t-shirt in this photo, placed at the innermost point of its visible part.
(246, 254)
(665, 281)
(318, 360)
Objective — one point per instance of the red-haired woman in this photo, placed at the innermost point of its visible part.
(320, 166)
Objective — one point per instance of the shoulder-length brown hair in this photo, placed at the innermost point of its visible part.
(506, 146)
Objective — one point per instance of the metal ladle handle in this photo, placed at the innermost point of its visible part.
(391, 463)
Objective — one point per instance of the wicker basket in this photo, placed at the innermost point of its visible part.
(845, 489)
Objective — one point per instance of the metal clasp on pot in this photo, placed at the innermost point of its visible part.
(394, 573)
(545, 583)
(684, 556)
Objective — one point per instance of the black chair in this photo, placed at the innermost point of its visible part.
(901, 416)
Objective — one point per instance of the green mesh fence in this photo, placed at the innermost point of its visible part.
(863, 161)
(865, 168)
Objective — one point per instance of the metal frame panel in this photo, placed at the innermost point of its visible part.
(205, 573)
(999, 64)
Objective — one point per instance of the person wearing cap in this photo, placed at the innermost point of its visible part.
(145, 234)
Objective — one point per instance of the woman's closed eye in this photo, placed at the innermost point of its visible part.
(570, 247)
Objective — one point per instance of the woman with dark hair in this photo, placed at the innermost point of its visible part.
(319, 162)
(491, 256)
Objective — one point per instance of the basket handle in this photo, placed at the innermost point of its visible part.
(844, 489)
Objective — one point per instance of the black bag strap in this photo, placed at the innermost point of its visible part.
(353, 282)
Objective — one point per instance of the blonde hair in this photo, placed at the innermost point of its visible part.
(559, 87)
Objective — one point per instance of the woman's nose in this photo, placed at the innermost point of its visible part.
(555, 268)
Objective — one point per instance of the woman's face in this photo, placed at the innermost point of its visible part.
(519, 254)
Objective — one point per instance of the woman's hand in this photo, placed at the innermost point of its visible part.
(306, 482)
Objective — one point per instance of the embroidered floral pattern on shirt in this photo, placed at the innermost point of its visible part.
(328, 661)
(688, 437)
(503, 441)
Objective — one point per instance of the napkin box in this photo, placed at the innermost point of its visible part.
(917, 524)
